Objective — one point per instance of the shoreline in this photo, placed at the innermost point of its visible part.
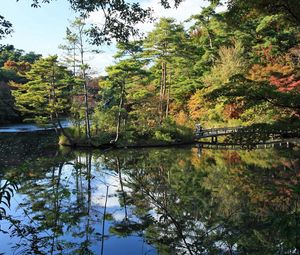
(294, 141)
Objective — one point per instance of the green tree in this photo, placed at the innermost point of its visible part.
(162, 45)
(76, 48)
(10, 53)
(46, 96)
(288, 8)
(124, 76)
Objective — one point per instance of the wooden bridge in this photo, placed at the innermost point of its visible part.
(237, 146)
(214, 133)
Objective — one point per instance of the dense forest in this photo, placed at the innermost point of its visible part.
(237, 67)
(188, 143)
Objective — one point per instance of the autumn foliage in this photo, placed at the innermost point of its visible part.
(19, 67)
(290, 83)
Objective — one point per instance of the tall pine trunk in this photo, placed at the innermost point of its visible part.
(162, 91)
(168, 96)
(85, 92)
(119, 113)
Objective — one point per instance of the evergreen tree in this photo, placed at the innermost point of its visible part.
(76, 48)
(46, 96)
(123, 79)
(162, 45)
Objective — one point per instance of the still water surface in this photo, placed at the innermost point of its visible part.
(149, 201)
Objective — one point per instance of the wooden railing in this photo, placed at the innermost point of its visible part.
(214, 132)
(237, 146)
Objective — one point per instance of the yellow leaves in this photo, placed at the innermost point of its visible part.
(197, 106)
(282, 64)
(181, 118)
(263, 73)
(229, 63)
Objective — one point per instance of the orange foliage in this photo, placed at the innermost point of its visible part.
(232, 158)
(19, 67)
(196, 105)
(175, 108)
(272, 64)
(233, 110)
(263, 73)
(278, 70)
(181, 118)
(286, 84)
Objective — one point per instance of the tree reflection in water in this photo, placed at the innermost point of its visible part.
(155, 201)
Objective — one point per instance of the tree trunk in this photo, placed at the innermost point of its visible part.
(162, 90)
(74, 59)
(168, 96)
(119, 113)
(160, 107)
(89, 196)
(85, 91)
(103, 222)
(210, 39)
(62, 130)
(122, 188)
(87, 117)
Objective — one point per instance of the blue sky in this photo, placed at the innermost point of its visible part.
(43, 29)
(36, 29)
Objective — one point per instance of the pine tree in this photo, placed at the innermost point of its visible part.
(46, 96)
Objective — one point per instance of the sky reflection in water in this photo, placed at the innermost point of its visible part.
(152, 201)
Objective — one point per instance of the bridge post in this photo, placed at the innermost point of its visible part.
(214, 139)
(199, 153)
(198, 130)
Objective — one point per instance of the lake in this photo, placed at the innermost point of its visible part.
(147, 201)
